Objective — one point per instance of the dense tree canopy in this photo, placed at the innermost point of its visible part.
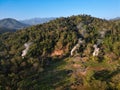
(50, 48)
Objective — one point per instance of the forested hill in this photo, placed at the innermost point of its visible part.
(42, 56)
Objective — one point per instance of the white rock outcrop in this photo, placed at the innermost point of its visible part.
(96, 50)
(76, 47)
(26, 45)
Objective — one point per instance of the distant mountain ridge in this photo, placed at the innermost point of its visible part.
(115, 19)
(12, 24)
(35, 21)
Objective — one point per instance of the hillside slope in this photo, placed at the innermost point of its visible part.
(78, 52)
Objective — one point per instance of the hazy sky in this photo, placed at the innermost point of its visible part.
(25, 9)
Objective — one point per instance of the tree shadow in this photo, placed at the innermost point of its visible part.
(53, 77)
(105, 75)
